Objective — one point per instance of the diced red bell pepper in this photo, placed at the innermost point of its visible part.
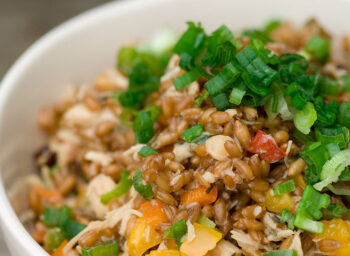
(264, 145)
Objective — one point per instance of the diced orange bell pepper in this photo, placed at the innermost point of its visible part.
(164, 253)
(200, 195)
(50, 195)
(39, 232)
(205, 240)
(59, 251)
(153, 212)
(143, 236)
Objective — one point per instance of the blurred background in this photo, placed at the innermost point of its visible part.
(24, 21)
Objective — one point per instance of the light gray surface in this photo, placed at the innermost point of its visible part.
(22, 22)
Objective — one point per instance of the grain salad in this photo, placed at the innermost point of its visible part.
(202, 144)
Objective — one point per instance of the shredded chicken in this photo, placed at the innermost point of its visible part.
(225, 248)
(273, 231)
(245, 241)
(133, 151)
(190, 231)
(182, 151)
(98, 186)
(296, 243)
(99, 157)
(112, 218)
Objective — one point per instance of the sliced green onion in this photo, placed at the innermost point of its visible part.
(339, 189)
(282, 106)
(305, 118)
(220, 101)
(251, 99)
(344, 114)
(255, 86)
(287, 216)
(127, 116)
(108, 248)
(121, 189)
(303, 138)
(53, 239)
(144, 190)
(336, 134)
(206, 221)
(345, 82)
(222, 80)
(345, 175)
(143, 127)
(333, 148)
(326, 113)
(155, 111)
(201, 139)
(177, 231)
(236, 96)
(198, 102)
(333, 168)
(284, 252)
(309, 209)
(315, 155)
(71, 228)
(187, 78)
(146, 151)
(223, 54)
(53, 217)
(193, 133)
(284, 187)
(256, 67)
(126, 58)
(329, 87)
(335, 211)
(189, 45)
(319, 48)
(256, 33)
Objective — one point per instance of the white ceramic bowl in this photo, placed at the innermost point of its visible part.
(79, 49)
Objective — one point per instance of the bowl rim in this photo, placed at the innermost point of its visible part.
(8, 218)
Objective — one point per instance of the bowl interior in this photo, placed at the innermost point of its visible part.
(79, 49)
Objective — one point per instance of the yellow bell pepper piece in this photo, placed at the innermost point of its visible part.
(299, 180)
(164, 253)
(205, 240)
(337, 230)
(278, 203)
(142, 237)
